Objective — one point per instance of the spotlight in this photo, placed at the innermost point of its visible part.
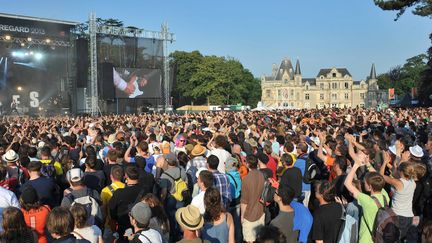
(40, 108)
(48, 41)
(8, 37)
(38, 56)
(14, 54)
(22, 44)
(29, 39)
(19, 88)
(31, 53)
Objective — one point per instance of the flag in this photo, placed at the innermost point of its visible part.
(391, 94)
(414, 94)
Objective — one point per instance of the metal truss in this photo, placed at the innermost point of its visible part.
(32, 41)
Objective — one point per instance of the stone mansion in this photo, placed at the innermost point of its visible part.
(332, 87)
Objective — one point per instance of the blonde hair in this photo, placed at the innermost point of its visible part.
(407, 169)
(420, 170)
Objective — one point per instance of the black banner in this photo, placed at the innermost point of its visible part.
(33, 28)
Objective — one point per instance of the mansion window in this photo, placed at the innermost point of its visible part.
(362, 95)
(346, 96)
(334, 75)
(292, 93)
(279, 93)
(334, 105)
(268, 93)
(334, 85)
(334, 96)
(307, 87)
(346, 86)
(321, 86)
(321, 96)
(306, 96)
(361, 105)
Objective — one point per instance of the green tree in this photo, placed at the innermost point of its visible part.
(403, 78)
(420, 8)
(217, 80)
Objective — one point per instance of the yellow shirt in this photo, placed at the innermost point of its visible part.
(106, 196)
(57, 166)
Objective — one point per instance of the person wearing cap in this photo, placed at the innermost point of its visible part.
(35, 213)
(77, 188)
(123, 198)
(46, 188)
(205, 180)
(139, 217)
(197, 155)
(190, 221)
(166, 184)
(235, 185)
(14, 174)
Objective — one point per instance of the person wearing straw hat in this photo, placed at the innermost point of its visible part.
(198, 159)
(191, 221)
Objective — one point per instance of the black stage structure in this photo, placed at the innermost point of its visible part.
(45, 66)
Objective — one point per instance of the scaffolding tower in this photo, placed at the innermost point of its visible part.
(92, 98)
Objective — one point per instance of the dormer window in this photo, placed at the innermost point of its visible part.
(334, 75)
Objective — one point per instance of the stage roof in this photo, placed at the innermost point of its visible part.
(16, 16)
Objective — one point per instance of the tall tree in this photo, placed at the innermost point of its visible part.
(420, 8)
(217, 80)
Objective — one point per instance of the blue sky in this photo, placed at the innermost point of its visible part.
(321, 33)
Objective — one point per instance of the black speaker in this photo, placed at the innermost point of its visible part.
(82, 62)
(107, 81)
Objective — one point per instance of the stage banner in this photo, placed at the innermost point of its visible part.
(137, 83)
(391, 94)
(33, 28)
(414, 94)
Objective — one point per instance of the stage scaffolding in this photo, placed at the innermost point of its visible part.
(92, 97)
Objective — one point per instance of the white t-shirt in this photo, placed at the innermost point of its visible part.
(223, 157)
(198, 201)
(90, 233)
(149, 236)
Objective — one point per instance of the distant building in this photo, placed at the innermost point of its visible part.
(333, 87)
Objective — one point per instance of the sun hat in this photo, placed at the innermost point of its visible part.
(10, 156)
(74, 175)
(166, 147)
(141, 212)
(198, 150)
(189, 217)
(252, 142)
(416, 151)
(112, 138)
(231, 164)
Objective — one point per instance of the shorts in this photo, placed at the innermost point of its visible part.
(250, 229)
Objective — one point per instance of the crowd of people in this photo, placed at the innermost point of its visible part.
(328, 175)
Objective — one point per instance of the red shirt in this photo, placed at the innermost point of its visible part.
(272, 165)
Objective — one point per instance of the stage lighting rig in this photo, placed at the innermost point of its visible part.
(7, 37)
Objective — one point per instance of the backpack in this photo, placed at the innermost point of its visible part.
(311, 171)
(267, 195)
(386, 224)
(180, 186)
(91, 205)
(48, 170)
(348, 231)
